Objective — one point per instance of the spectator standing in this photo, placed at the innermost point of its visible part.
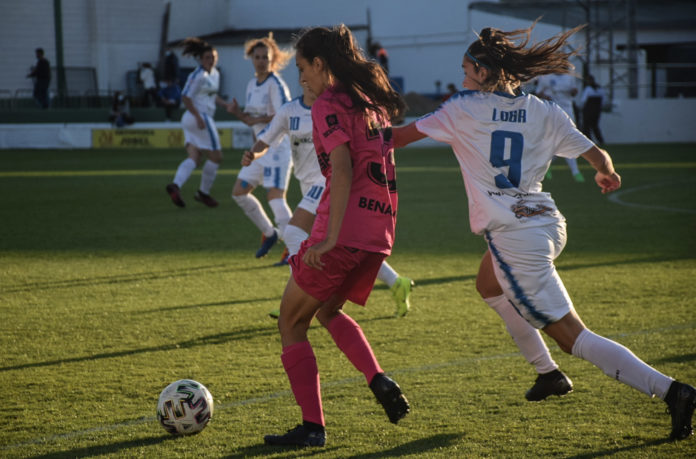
(146, 75)
(41, 73)
(592, 100)
(171, 67)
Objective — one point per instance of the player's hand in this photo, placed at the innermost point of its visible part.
(312, 256)
(608, 183)
(200, 123)
(233, 107)
(247, 158)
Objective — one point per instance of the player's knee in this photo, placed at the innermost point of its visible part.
(487, 288)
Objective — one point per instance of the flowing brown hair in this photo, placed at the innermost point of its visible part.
(194, 46)
(363, 80)
(511, 63)
(279, 57)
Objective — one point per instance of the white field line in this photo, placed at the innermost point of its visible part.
(288, 393)
(616, 198)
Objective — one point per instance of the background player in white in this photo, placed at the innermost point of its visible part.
(562, 89)
(504, 142)
(265, 93)
(200, 96)
(294, 119)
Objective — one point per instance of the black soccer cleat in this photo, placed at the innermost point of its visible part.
(681, 401)
(299, 436)
(175, 194)
(205, 199)
(551, 383)
(389, 395)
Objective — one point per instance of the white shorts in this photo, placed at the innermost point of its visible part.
(311, 195)
(206, 138)
(272, 170)
(523, 264)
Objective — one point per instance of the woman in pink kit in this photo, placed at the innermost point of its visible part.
(354, 228)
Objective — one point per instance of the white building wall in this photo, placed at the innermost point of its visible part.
(24, 26)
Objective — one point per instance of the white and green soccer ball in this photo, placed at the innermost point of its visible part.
(185, 407)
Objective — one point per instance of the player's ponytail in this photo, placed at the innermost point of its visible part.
(510, 62)
(194, 46)
(363, 80)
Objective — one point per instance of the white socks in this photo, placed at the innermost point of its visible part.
(573, 164)
(527, 338)
(208, 176)
(281, 212)
(618, 362)
(387, 274)
(293, 237)
(184, 171)
(254, 210)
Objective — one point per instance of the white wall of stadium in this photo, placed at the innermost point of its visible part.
(425, 41)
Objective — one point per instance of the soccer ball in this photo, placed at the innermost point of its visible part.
(185, 407)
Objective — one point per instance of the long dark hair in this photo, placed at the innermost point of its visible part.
(364, 80)
(194, 46)
(514, 64)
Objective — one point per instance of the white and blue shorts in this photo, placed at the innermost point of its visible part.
(523, 264)
(311, 195)
(204, 139)
(272, 170)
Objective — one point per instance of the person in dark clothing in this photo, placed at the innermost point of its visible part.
(170, 71)
(592, 102)
(41, 73)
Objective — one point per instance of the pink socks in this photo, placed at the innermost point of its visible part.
(350, 339)
(301, 367)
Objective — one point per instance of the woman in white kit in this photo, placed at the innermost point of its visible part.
(265, 94)
(504, 142)
(200, 97)
(294, 119)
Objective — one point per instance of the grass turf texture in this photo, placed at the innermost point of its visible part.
(108, 293)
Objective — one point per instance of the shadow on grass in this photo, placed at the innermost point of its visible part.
(677, 358)
(207, 305)
(219, 338)
(420, 446)
(417, 447)
(289, 451)
(113, 448)
(125, 278)
(613, 451)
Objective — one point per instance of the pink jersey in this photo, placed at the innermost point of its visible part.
(370, 217)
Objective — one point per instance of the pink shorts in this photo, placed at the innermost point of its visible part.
(348, 273)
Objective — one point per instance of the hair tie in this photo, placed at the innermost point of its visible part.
(468, 54)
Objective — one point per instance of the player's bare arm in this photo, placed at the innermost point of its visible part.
(607, 178)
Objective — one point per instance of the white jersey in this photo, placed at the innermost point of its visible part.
(560, 88)
(265, 98)
(202, 88)
(504, 145)
(295, 119)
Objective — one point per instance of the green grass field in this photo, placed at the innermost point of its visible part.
(108, 293)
